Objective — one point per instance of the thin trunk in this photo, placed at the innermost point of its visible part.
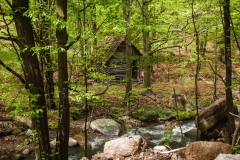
(33, 78)
(228, 65)
(85, 80)
(94, 27)
(221, 43)
(215, 63)
(197, 66)
(62, 38)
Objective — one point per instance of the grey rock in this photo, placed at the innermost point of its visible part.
(192, 134)
(29, 132)
(126, 146)
(106, 126)
(26, 151)
(228, 157)
(72, 142)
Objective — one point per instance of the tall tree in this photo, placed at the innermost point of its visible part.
(128, 50)
(146, 45)
(196, 34)
(33, 77)
(43, 30)
(62, 39)
(228, 65)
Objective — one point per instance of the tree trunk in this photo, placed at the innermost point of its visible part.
(146, 47)
(215, 66)
(48, 78)
(62, 38)
(128, 51)
(198, 63)
(33, 78)
(228, 65)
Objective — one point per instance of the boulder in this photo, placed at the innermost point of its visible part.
(159, 149)
(25, 151)
(228, 156)
(181, 102)
(132, 122)
(206, 150)
(80, 139)
(192, 134)
(159, 127)
(72, 142)
(29, 133)
(126, 146)
(106, 126)
(84, 158)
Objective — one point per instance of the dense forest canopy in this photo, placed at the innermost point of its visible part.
(51, 49)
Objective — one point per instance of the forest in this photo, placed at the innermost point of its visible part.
(66, 63)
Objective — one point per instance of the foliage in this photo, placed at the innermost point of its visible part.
(168, 135)
(149, 114)
(183, 115)
(236, 149)
(117, 112)
(169, 24)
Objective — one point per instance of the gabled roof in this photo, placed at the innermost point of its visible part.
(114, 45)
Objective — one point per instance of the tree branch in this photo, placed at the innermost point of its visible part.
(103, 92)
(15, 74)
(234, 115)
(96, 94)
(174, 46)
(9, 38)
(69, 45)
(219, 75)
(10, 5)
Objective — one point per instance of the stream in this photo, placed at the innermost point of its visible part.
(153, 133)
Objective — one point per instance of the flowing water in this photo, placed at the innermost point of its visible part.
(153, 133)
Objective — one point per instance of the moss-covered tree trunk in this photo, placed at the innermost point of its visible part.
(33, 78)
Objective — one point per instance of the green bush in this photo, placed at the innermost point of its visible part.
(149, 115)
(236, 149)
(182, 115)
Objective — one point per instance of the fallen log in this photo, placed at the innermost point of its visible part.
(24, 120)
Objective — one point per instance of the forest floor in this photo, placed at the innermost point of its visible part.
(178, 73)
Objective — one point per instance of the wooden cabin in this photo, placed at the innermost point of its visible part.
(116, 63)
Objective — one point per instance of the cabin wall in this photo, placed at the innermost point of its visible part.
(117, 64)
(117, 67)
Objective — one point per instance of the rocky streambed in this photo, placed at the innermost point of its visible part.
(155, 134)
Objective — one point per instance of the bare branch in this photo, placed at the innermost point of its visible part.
(10, 5)
(219, 75)
(103, 92)
(9, 38)
(234, 115)
(174, 46)
(72, 42)
(15, 74)
(96, 94)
